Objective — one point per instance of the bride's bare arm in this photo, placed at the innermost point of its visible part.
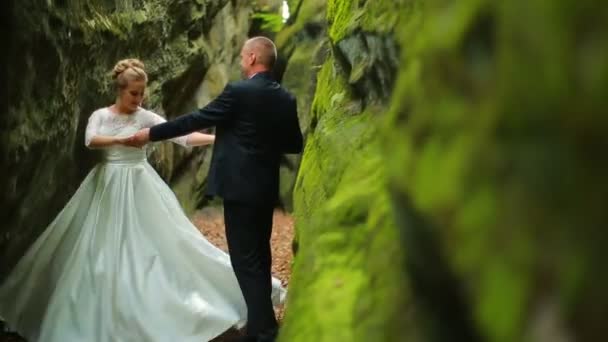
(100, 141)
(200, 139)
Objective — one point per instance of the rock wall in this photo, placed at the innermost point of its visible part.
(466, 204)
(494, 144)
(57, 56)
(301, 46)
(452, 183)
(348, 278)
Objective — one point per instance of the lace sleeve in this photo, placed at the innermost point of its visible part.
(92, 127)
(155, 119)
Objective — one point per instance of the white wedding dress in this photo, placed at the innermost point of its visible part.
(121, 261)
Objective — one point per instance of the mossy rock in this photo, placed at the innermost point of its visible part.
(492, 149)
(348, 280)
(59, 55)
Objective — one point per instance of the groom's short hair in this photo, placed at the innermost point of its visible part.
(265, 50)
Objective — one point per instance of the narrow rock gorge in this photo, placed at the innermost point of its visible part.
(451, 187)
(57, 58)
(452, 184)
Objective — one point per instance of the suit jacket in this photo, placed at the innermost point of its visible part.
(256, 123)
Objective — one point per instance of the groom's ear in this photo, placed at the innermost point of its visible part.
(252, 58)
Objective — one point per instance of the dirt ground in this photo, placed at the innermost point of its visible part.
(211, 223)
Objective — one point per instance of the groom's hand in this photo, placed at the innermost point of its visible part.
(139, 139)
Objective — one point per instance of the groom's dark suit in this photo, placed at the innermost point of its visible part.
(256, 123)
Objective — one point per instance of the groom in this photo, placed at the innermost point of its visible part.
(256, 123)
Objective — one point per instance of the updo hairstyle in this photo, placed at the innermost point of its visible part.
(128, 70)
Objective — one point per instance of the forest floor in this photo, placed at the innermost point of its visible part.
(210, 222)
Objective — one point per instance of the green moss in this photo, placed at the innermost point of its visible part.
(341, 16)
(346, 283)
(346, 239)
(300, 78)
(63, 51)
(330, 135)
(311, 11)
(482, 139)
(119, 24)
(348, 16)
(382, 16)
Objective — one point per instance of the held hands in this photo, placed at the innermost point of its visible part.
(138, 139)
(121, 141)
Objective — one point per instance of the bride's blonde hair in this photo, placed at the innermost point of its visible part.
(126, 70)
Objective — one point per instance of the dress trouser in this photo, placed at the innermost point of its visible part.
(248, 229)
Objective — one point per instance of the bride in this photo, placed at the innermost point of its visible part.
(121, 261)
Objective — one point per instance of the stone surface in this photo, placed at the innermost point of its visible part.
(466, 203)
(58, 55)
(452, 186)
(349, 273)
(493, 146)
